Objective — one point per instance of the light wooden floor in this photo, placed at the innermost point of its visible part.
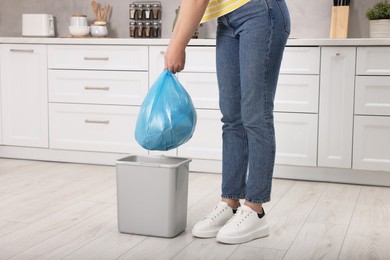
(68, 211)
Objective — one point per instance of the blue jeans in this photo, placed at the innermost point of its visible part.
(250, 45)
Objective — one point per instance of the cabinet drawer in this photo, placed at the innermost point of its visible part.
(200, 59)
(202, 87)
(296, 139)
(98, 57)
(98, 87)
(93, 128)
(373, 61)
(371, 143)
(206, 143)
(301, 60)
(372, 95)
(297, 93)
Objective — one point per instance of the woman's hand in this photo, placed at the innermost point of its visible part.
(175, 59)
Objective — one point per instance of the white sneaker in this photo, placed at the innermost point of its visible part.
(210, 225)
(244, 226)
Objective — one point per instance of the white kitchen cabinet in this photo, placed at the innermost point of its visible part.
(372, 95)
(301, 60)
(94, 128)
(98, 87)
(336, 107)
(156, 62)
(297, 93)
(371, 150)
(296, 139)
(202, 87)
(24, 95)
(98, 57)
(373, 61)
(206, 142)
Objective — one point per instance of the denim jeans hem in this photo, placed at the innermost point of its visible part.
(258, 201)
(233, 197)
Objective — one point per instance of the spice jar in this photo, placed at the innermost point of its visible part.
(156, 11)
(147, 11)
(132, 11)
(147, 30)
(140, 9)
(140, 30)
(156, 30)
(132, 29)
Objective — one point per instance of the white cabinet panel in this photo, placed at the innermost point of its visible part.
(156, 62)
(98, 87)
(94, 128)
(372, 95)
(372, 143)
(24, 95)
(373, 61)
(301, 60)
(202, 87)
(297, 93)
(200, 59)
(98, 57)
(206, 143)
(296, 139)
(336, 107)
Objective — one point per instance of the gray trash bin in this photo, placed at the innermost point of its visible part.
(152, 195)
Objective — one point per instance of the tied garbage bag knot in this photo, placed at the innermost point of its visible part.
(167, 118)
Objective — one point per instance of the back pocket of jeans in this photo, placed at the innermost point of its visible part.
(286, 15)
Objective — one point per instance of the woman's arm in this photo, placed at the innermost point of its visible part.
(191, 12)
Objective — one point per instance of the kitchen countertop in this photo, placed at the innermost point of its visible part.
(195, 42)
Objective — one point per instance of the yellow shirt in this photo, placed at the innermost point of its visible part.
(217, 8)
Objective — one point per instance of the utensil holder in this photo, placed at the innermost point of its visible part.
(339, 22)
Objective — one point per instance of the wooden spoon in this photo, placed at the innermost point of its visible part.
(102, 13)
(95, 8)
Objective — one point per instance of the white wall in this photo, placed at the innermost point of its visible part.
(310, 18)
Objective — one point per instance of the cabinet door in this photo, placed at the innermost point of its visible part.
(24, 95)
(100, 128)
(98, 87)
(297, 93)
(371, 143)
(373, 61)
(301, 60)
(296, 139)
(336, 107)
(372, 95)
(202, 87)
(206, 143)
(156, 62)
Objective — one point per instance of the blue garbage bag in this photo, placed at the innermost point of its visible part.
(167, 118)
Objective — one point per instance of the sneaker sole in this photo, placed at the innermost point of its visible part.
(259, 233)
(206, 234)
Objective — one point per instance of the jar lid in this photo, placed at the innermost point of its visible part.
(79, 15)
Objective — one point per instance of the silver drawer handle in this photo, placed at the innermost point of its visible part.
(97, 88)
(338, 53)
(106, 122)
(22, 50)
(96, 58)
(162, 52)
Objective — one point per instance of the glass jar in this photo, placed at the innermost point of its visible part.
(156, 11)
(132, 29)
(140, 30)
(147, 30)
(140, 10)
(132, 11)
(156, 30)
(147, 12)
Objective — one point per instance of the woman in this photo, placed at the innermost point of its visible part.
(251, 36)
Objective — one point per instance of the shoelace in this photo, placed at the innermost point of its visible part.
(213, 215)
(239, 217)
